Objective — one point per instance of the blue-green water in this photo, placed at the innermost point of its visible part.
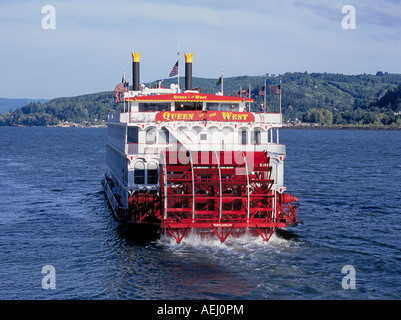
(53, 212)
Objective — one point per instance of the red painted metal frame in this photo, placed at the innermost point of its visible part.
(221, 192)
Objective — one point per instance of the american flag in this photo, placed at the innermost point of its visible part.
(174, 71)
(276, 89)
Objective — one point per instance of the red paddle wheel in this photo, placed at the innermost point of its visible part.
(222, 192)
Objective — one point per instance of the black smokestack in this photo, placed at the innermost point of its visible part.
(188, 71)
(135, 71)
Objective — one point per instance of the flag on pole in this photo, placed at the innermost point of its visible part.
(242, 92)
(262, 91)
(276, 89)
(119, 90)
(218, 82)
(174, 71)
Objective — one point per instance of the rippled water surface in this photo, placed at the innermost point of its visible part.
(53, 212)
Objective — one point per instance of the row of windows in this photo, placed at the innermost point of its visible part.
(256, 137)
(152, 173)
(233, 107)
(179, 106)
(149, 107)
(151, 136)
(163, 136)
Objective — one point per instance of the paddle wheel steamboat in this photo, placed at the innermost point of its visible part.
(182, 161)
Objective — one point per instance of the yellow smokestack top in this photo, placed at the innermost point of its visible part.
(188, 57)
(188, 70)
(135, 71)
(135, 56)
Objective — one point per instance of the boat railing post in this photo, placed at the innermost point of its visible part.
(275, 204)
(193, 186)
(221, 186)
(163, 153)
(247, 187)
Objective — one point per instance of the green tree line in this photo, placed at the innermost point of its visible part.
(85, 109)
(322, 98)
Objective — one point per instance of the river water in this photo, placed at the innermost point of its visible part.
(53, 212)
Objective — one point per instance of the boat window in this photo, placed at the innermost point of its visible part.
(151, 136)
(188, 106)
(149, 107)
(213, 106)
(139, 173)
(257, 137)
(233, 107)
(243, 136)
(152, 173)
(132, 135)
(164, 136)
(203, 136)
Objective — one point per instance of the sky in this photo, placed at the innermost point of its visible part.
(90, 42)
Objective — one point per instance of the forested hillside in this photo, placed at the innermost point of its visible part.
(322, 98)
(11, 104)
(85, 109)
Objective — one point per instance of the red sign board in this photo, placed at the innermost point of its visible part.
(201, 115)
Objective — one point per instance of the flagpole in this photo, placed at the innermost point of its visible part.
(280, 95)
(249, 96)
(178, 75)
(222, 81)
(281, 115)
(265, 97)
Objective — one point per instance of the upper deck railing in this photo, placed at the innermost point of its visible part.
(273, 119)
(155, 149)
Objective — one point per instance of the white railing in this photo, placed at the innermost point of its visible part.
(274, 119)
(141, 117)
(142, 148)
